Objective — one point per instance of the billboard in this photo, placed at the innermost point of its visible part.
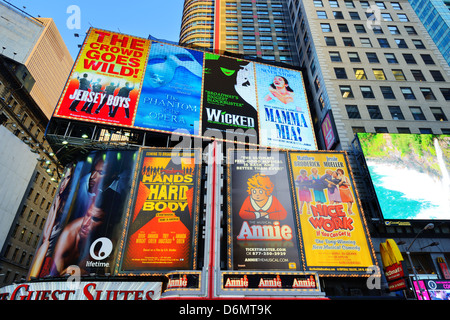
(334, 234)
(262, 225)
(285, 121)
(138, 83)
(162, 223)
(83, 227)
(410, 174)
(106, 80)
(292, 210)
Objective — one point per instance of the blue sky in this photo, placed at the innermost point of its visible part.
(160, 18)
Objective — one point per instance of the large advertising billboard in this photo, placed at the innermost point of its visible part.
(138, 83)
(285, 121)
(410, 174)
(293, 210)
(106, 80)
(83, 228)
(334, 232)
(162, 223)
(262, 225)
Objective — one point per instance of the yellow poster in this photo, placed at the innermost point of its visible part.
(333, 230)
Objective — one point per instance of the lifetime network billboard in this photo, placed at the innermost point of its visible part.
(139, 83)
(410, 174)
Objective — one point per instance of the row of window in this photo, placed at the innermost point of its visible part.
(379, 74)
(350, 4)
(401, 130)
(360, 28)
(367, 43)
(395, 112)
(372, 57)
(387, 92)
(353, 15)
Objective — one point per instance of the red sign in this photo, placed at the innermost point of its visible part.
(394, 272)
(397, 285)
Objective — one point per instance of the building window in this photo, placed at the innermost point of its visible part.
(348, 42)
(396, 113)
(398, 75)
(353, 112)
(418, 44)
(354, 16)
(343, 27)
(409, 58)
(365, 42)
(360, 28)
(335, 57)
(340, 73)
(390, 58)
(379, 74)
(360, 74)
(396, 6)
(346, 92)
(386, 17)
(403, 130)
(438, 114)
(418, 75)
(401, 43)
(393, 30)
(372, 57)
(374, 112)
(349, 4)
(417, 113)
(325, 27)
(381, 130)
(387, 92)
(330, 41)
(402, 17)
(354, 57)
(383, 43)
(427, 59)
(410, 30)
(446, 93)
(425, 131)
(322, 15)
(437, 76)
(367, 92)
(408, 94)
(338, 15)
(334, 4)
(318, 3)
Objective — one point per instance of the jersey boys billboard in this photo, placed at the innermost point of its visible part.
(162, 225)
(128, 81)
(295, 211)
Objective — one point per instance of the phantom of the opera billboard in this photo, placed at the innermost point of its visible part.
(295, 211)
(139, 83)
(410, 174)
(133, 209)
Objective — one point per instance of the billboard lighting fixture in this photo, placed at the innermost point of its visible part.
(64, 142)
(84, 136)
(433, 244)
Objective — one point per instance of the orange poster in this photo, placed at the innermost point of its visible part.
(106, 80)
(163, 220)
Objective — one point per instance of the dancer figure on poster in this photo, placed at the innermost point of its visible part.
(319, 195)
(344, 190)
(123, 92)
(84, 84)
(97, 88)
(261, 204)
(304, 195)
(109, 91)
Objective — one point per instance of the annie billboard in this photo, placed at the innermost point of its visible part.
(139, 83)
(410, 174)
